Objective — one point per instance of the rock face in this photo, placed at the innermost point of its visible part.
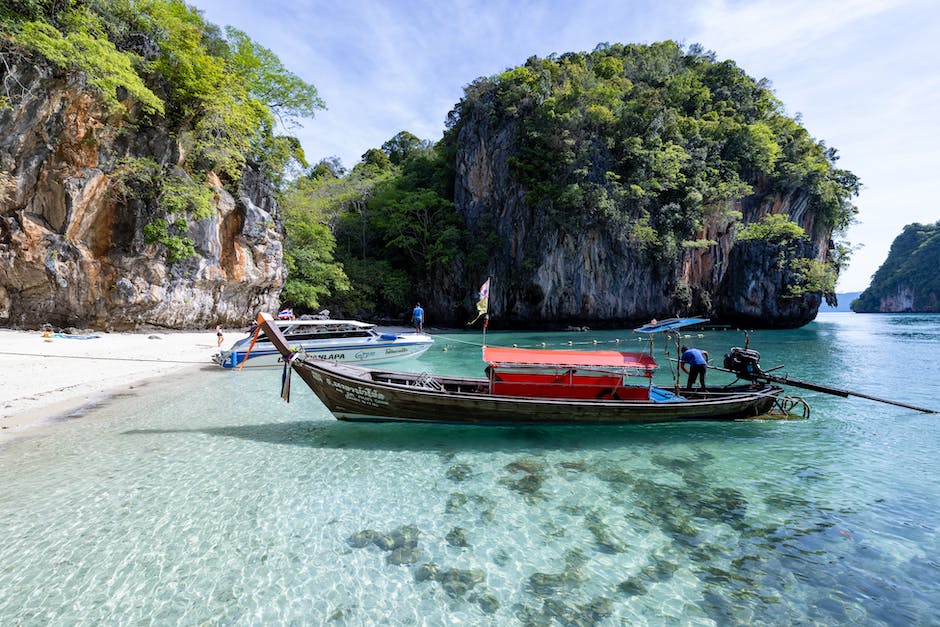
(550, 272)
(908, 281)
(73, 253)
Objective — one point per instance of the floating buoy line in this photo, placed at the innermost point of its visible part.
(592, 342)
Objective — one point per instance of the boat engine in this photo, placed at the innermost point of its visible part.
(744, 362)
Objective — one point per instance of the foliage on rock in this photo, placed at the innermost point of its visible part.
(908, 279)
(649, 141)
(146, 149)
(774, 227)
(648, 144)
(221, 89)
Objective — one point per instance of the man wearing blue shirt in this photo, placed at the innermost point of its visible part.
(698, 364)
(417, 317)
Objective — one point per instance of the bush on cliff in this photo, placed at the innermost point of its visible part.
(159, 64)
(649, 140)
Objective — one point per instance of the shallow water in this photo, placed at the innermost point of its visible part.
(206, 499)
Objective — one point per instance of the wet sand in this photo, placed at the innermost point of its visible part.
(44, 379)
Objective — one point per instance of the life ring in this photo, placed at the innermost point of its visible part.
(608, 393)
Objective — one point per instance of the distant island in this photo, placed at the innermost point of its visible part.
(908, 280)
(844, 299)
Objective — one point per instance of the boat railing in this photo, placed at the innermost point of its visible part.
(718, 393)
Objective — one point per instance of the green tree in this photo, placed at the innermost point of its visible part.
(375, 158)
(777, 228)
(313, 273)
(83, 47)
(224, 91)
(403, 146)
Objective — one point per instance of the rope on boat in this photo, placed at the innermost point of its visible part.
(159, 361)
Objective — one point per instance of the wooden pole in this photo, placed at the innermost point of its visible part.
(829, 390)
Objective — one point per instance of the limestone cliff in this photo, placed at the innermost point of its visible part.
(73, 250)
(548, 271)
(642, 181)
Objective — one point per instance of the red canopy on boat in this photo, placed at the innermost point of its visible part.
(498, 356)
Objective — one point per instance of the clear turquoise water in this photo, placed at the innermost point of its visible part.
(206, 499)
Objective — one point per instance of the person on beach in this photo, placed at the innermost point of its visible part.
(697, 360)
(417, 317)
(218, 334)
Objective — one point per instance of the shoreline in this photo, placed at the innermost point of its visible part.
(47, 379)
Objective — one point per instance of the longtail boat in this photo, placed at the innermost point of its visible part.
(521, 387)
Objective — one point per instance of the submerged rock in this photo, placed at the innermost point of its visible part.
(454, 581)
(466, 578)
(403, 555)
(632, 587)
(457, 537)
(488, 603)
(529, 466)
(599, 608)
(455, 501)
(362, 539)
(603, 536)
(427, 572)
(459, 472)
(529, 485)
(550, 583)
(406, 536)
(575, 465)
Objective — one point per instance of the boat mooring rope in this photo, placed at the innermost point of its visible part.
(615, 341)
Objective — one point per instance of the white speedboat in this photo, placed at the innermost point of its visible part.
(333, 340)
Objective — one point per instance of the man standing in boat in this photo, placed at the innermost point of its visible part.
(697, 361)
(417, 317)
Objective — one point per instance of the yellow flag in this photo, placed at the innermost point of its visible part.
(483, 301)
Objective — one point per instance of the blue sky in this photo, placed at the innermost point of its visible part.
(863, 74)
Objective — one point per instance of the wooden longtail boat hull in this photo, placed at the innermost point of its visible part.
(362, 394)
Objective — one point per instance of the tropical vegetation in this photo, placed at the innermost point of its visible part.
(908, 279)
(653, 140)
(393, 220)
(649, 141)
(158, 63)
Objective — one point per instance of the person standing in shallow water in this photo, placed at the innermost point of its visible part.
(218, 334)
(697, 361)
(417, 317)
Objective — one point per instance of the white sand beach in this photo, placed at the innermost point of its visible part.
(43, 378)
